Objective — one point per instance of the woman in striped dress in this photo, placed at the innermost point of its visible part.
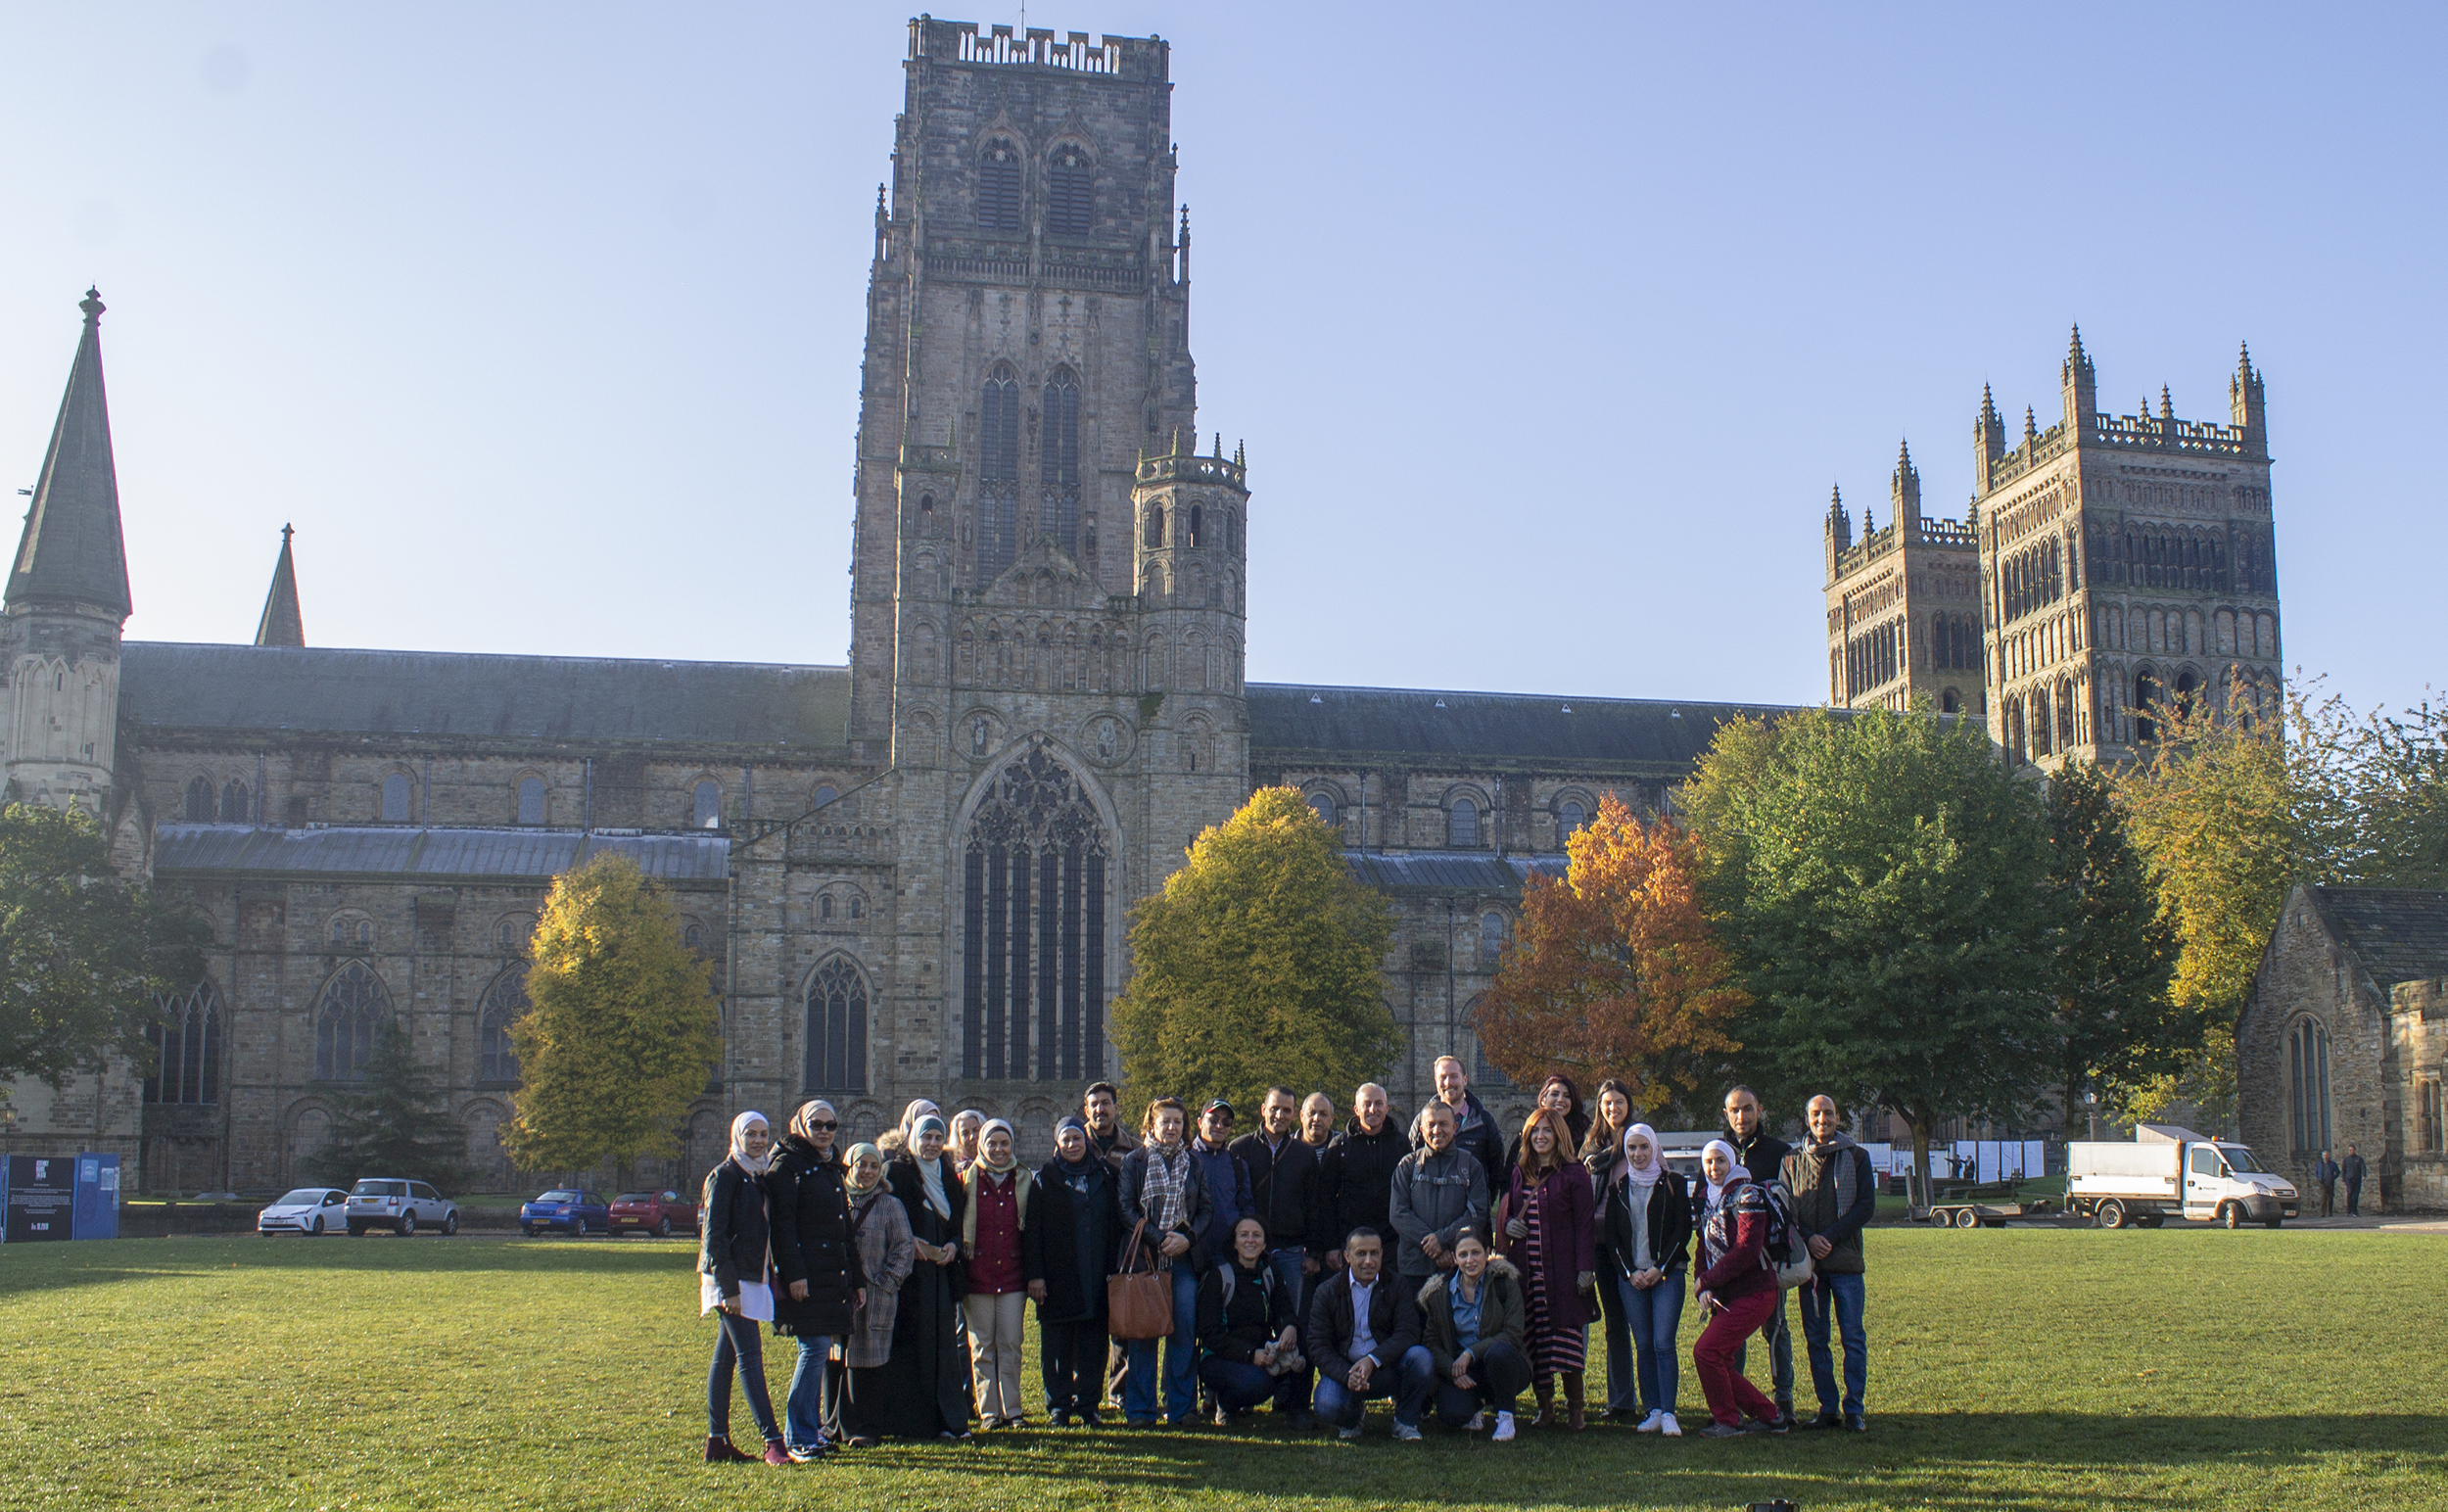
(1545, 1229)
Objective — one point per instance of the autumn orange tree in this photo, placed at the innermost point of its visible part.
(1615, 970)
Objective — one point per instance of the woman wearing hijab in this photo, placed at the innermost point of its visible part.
(734, 1285)
(879, 1234)
(1644, 1222)
(997, 1304)
(897, 1138)
(1163, 1187)
(967, 1129)
(1736, 1291)
(1561, 1096)
(1066, 1247)
(925, 1385)
(1544, 1228)
(819, 1267)
(1602, 1153)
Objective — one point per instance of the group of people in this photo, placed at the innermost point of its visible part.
(2328, 1171)
(1440, 1263)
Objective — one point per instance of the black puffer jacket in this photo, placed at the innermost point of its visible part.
(1358, 1173)
(737, 1234)
(812, 1242)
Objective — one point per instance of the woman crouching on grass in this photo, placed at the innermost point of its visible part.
(1471, 1319)
(1736, 1291)
(736, 1285)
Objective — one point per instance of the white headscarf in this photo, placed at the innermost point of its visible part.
(910, 1116)
(931, 1173)
(1717, 1191)
(739, 1152)
(1644, 1176)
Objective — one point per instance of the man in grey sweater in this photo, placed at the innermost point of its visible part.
(1438, 1190)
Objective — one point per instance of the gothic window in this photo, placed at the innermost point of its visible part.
(999, 187)
(1033, 927)
(1198, 526)
(515, 932)
(824, 909)
(693, 936)
(1232, 531)
(1323, 806)
(2307, 1086)
(1058, 461)
(355, 1002)
(836, 1028)
(1462, 825)
(2433, 1135)
(502, 1005)
(530, 801)
(1155, 525)
(706, 806)
(186, 1039)
(1571, 815)
(998, 473)
(1949, 702)
(926, 514)
(199, 801)
(2145, 699)
(1071, 192)
(234, 806)
(857, 905)
(1490, 939)
(396, 798)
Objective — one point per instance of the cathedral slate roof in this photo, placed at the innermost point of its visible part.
(1290, 721)
(1449, 871)
(402, 852)
(2399, 933)
(320, 691)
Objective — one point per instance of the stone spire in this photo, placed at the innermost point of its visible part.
(72, 552)
(281, 624)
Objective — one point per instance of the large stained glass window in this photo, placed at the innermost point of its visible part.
(1033, 926)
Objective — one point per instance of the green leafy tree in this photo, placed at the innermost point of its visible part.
(623, 1030)
(393, 1123)
(1896, 920)
(83, 955)
(1260, 961)
(2400, 784)
(2118, 1021)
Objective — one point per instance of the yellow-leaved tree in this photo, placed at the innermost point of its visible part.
(1262, 962)
(624, 1029)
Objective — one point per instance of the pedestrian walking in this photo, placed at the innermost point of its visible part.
(1645, 1219)
(1834, 1195)
(1470, 1322)
(1543, 1227)
(734, 1273)
(1735, 1289)
(821, 1271)
(2325, 1177)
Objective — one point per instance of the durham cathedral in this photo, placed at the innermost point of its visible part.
(912, 874)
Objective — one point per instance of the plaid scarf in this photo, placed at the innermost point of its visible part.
(1162, 1192)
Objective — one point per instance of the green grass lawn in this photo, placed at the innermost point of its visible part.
(2018, 1368)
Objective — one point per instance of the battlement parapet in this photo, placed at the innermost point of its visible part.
(1154, 470)
(1136, 58)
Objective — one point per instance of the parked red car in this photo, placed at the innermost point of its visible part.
(652, 1212)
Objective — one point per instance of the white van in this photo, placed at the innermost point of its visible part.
(2171, 1170)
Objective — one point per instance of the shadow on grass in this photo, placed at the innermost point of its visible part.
(1954, 1460)
(94, 1262)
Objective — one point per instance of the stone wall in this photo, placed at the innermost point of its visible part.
(2308, 975)
(2417, 1172)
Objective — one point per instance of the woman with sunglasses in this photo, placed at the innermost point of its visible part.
(822, 1279)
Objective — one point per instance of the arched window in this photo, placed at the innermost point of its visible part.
(1155, 525)
(530, 801)
(355, 1002)
(1323, 806)
(234, 807)
(200, 809)
(1033, 927)
(1058, 461)
(1948, 702)
(2307, 1086)
(999, 187)
(694, 937)
(1071, 192)
(515, 931)
(1462, 825)
(998, 473)
(502, 1005)
(1197, 525)
(186, 1039)
(836, 1028)
(1490, 939)
(2185, 685)
(396, 798)
(824, 909)
(706, 804)
(2145, 699)
(1571, 815)
(823, 795)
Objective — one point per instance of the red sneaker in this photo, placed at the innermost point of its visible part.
(719, 1452)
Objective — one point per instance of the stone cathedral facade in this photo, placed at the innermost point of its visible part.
(913, 873)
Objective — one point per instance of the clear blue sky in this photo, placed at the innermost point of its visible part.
(1547, 329)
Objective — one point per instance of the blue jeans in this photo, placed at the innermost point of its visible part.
(1238, 1388)
(1845, 1293)
(1651, 1317)
(1622, 1392)
(803, 1411)
(1408, 1384)
(738, 1348)
(1287, 1263)
(1181, 1348)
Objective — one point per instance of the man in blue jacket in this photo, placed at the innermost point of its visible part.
(1227, 1177)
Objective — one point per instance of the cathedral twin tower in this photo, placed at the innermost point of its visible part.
(2108, 571)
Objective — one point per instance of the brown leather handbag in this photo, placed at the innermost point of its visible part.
(1139, 1297)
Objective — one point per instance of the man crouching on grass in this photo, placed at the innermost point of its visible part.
(1364, 1338)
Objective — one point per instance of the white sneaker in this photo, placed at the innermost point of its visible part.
(1404, 1433)
(1670, 1428)
(1504, 1429)
(1354, 1431)
(1479, 1420)
(1653, 1423)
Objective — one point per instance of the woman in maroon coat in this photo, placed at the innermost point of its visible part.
(1545, 1228)
(1736, 1291)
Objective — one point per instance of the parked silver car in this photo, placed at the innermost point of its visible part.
(380, 1202)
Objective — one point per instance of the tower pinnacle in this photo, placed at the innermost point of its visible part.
(281, 624)
(72, 551)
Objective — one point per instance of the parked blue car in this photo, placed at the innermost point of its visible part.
(566, 1211)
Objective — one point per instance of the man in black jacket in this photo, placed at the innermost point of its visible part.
(2351, 1169)
(1283, 1190)
(1474, 1131)
(1364, 1332)
(1356, 1174)
(1834, 1194)
(1762, 1154)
